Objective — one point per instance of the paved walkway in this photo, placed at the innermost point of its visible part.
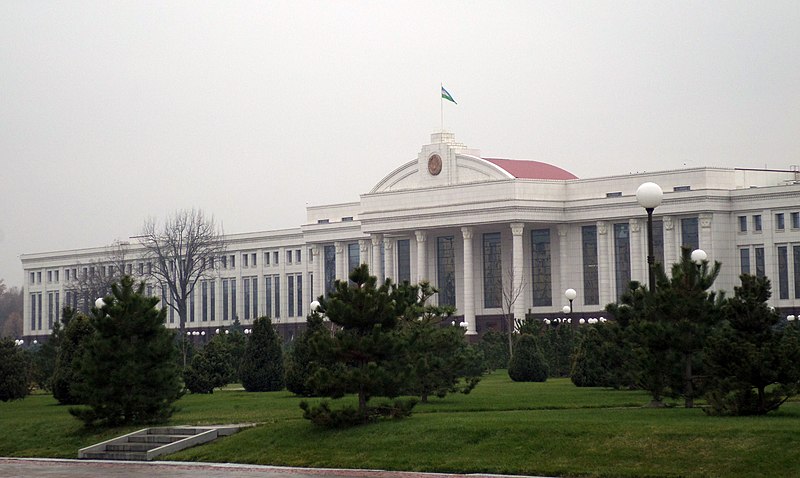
(51, 468)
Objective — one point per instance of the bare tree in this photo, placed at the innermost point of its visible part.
(93, 279)
(511, 295)
(182, 250)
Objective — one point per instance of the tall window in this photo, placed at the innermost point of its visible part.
(268, 296)
(204, 290)
(622, 257)
(761, 270)
(290, 293)
(254, 284)
(492, 271)
(58, 307)
(446, 270)
(233, 299)
(795, 220)
(403, 261)
(330, 268)
(246, 292)
(742, 223)
(783, 272)
(690, 235)
(191, 306)
(33, 310)
(542, 267)
(744, 260)
(50, 310)
(796, 254)
(757, 222)
(213, 304)
(276, 283)
(299, 287)
(353, 257)
(658, 241)
(225, 299)
(591, 285)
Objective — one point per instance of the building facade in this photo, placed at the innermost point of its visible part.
(493, 235)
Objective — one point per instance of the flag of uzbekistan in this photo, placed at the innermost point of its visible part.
(447, 96)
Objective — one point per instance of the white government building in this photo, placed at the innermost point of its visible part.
(474, 226)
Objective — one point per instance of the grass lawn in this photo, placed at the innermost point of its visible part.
(550, 428)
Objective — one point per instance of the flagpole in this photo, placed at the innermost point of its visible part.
(441, 105)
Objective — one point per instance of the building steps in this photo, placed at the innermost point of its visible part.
(149, 443)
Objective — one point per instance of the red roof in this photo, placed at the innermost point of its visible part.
(531, 169)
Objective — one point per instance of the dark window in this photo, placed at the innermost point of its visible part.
(742, 223)
(492, 270)
(330, 268)
(757, 222)
(795, 220)
(658, 241)
(681, 188)
(290, 293)
(204, 288)
(780, 223)
(622, 257)
(299, 287)
(225, 299)
(760, 268)
(542, 268)
(744, 261)
(446, 270)
(353, 257)
(690, 235)
(796, 253)
(268, 296)
(783, 272)
(213, 304)
(590, 273)
(254, 295)
(191, 306)
(234, 313)
(403, 261)
(277, 286)
(246, 292)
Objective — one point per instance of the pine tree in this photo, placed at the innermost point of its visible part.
(752, 363)
(72, 340)
(129, 365)
(262, 364)
(528, 363)
(365, 354)
(14, 378)
(211, 367)
(299, 361)
(439, 358)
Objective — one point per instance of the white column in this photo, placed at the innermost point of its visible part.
(469, 285)
(565, 281)
(707, 244)
(364, 258)
(388, 259)
(377, 264)
(422, 260)
(604, 264)
(517, 268)
(671, 249)
(340, 261)
(318, 287)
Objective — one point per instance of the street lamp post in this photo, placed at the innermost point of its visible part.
(649, 196)
(570, 294)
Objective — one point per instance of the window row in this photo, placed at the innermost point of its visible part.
(780, 221)
(788, 261)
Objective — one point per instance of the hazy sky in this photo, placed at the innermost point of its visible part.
(113, 111)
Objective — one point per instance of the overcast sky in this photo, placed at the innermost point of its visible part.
(113, 111)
